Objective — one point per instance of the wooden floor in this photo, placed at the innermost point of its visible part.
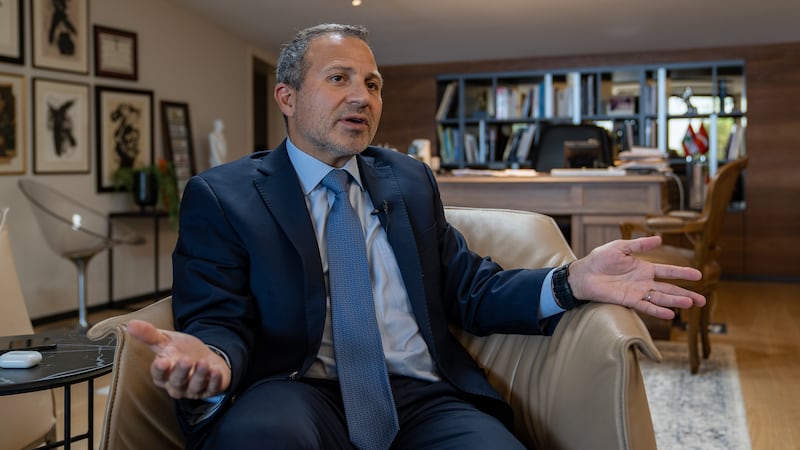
(763, 324)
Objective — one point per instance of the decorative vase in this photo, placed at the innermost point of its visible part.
(145, 189)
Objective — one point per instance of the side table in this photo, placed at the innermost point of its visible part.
(74, 359)
(155, 216)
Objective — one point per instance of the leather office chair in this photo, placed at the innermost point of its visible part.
(548, 153)
(701, 230)
(26, 420)
(581, 388)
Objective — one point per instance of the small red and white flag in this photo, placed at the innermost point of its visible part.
(701, 139)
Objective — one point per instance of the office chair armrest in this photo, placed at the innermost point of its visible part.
(684, 214)
(661, 225)
(581, 387)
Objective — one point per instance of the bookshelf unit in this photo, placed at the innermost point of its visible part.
(482, 117)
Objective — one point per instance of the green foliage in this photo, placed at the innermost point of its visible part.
(164, 173)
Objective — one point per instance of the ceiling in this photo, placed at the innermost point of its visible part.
(426, 31)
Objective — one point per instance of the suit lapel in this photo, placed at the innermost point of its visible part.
(282, 194)
(387, 196)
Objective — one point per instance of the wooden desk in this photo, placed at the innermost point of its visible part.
(595, 204)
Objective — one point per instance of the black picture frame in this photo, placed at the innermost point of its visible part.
(176, 130)
(12, 43)
(61, 137)
(124, 132)
(116, 53)
(59, 37)
(13, 150)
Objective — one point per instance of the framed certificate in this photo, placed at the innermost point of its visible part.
(178, 149)
(115, 53)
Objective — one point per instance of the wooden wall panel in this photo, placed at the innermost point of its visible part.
(765, 240)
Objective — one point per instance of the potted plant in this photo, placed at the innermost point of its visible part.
(150, 186)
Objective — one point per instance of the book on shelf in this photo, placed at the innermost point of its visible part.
(516, 101)
(733, 148)
(483, 142)
(525, 142)
(510, 150)
(446, 104)
(502, 95)
(471, 148)
(588, 95)
(650, 97)
(562, 95)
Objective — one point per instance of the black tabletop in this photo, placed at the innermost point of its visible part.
(67, 357)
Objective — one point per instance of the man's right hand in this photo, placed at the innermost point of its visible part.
(183, 365)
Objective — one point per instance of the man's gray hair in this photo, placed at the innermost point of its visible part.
(292, 67)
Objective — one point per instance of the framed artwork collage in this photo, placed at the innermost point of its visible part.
(58, 111)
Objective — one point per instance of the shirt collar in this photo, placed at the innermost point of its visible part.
(311, 171)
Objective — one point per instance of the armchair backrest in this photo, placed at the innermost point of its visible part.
(14, 317)
(504, 235)
(25, 419)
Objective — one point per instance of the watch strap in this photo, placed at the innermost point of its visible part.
(561, 290)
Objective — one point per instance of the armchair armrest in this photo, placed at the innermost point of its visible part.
(138, 414)
(580, 388)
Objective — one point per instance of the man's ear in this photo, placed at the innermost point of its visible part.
(284, 96)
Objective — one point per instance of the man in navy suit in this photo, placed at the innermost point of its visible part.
(253, 364)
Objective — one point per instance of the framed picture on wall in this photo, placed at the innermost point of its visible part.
(176, 130)
(59, 32)
(12, 124)
(60, 127)
(124, 132)
(11, 32)
(115, 53)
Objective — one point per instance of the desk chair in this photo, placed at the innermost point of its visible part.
(580, 388)
(549, 152)
(74, 231)
(26, 420)
(701, 230)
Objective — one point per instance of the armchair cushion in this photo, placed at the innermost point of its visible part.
(580, 388)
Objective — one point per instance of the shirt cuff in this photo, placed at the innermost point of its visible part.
(547, 301)
(206, 407)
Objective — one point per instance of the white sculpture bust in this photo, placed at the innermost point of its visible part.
(218, 149)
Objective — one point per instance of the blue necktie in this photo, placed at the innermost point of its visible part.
(360, 363)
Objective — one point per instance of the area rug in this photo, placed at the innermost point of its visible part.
(703, 411)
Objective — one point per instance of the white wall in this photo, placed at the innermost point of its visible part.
(182, 57)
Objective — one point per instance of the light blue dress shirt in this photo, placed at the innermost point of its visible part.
(403, 346)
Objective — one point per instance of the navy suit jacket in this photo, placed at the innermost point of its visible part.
(248, 278)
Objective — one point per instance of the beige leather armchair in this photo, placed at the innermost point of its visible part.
(26, 420)
(581, 388)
